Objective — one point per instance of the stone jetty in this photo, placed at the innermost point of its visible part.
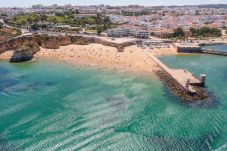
(181, 82)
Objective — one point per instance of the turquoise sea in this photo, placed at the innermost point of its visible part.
(221, 48)
(45, 105)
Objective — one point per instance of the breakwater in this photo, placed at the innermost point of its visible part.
(175, 88)
(213, 52)
(180, 82)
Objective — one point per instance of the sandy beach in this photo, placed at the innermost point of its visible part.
(164, 51)
(132, 59)
(6, 55)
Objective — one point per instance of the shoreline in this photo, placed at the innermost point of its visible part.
(133, 60)
(101, 57)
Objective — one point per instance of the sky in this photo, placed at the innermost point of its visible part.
(26, 3)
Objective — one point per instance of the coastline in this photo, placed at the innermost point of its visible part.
(131, 60)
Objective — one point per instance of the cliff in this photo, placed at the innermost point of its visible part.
(25, 47)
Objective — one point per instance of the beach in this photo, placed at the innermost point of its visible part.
(132, 59)
(6, 55)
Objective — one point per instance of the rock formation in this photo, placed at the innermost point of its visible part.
(24, 54)
(25, 47)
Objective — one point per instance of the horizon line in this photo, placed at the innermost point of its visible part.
(115, 5)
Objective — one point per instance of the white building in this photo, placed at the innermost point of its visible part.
(117, 32)
(39, 6)
(122, 32)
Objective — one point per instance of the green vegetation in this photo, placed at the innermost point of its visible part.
(23, 19)
(205, 32)
(1, 25)
(34, 26)
(178, 33)
(98, 23)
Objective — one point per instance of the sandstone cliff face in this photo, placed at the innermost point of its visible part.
(17, 43)
(52, 42)
(25, 47)
(80, 40)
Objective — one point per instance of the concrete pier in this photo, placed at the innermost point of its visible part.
(213, 52)
(187, 47)
(183, 77)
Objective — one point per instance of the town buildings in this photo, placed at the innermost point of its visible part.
(142, 19)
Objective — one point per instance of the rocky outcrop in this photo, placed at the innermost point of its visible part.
(24, 54)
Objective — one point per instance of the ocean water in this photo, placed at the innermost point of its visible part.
(221, 48)
(45, 105)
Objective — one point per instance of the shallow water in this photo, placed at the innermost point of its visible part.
(46, 105)
(215, 69)
(221, 48)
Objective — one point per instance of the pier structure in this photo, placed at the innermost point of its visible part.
(188, 47)
(213, 52)
(184, 78)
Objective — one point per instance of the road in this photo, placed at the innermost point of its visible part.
(23, 30)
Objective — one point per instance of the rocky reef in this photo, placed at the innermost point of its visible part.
(177, 90)
(25, 47)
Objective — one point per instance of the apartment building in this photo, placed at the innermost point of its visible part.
(125, 32)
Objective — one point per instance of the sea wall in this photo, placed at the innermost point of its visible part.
(29, 45)
(174, 87)
(187, 48)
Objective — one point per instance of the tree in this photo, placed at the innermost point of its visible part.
(106, 22)
(43, 18)
(29, 20)
(98, 19)
(34, 26)
(52, 19)
(178, 33)
(1, 25)
(99, 30)
(205, 32)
